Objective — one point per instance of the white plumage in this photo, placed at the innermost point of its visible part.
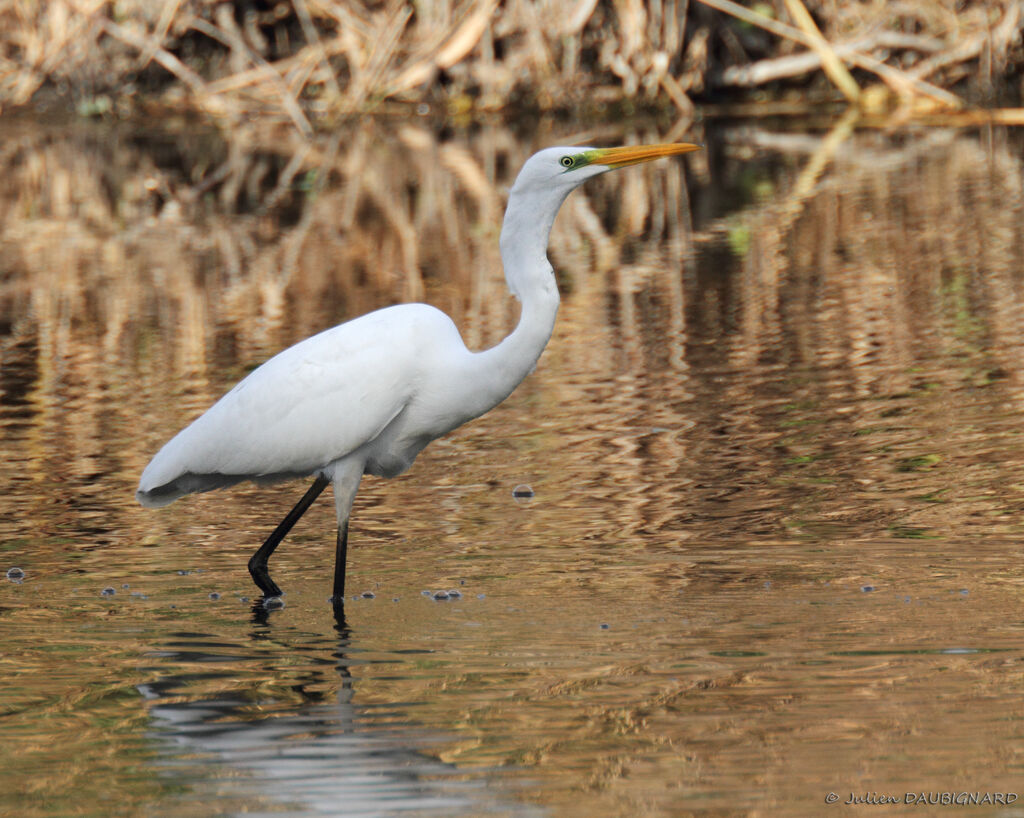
(366, 396)
(333, 395)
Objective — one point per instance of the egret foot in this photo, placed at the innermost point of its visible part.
(261, 576)
(258, 561)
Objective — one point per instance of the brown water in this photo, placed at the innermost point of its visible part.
(776, 445)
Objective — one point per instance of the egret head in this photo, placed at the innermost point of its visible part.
(567, 168)
(540, 188)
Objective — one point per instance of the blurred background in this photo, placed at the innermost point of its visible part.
(311, 61)
(776, 443)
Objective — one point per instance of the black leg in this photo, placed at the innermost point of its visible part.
(338, 599)
(258, 562)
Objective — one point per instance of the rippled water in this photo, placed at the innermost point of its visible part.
(776, 447)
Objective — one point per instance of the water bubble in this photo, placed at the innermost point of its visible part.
(423, 109)
(108, 592)
(440, 595)
(455, 593)
(866, 589)
(273, 603)
(522, 492)
(244, 600)
(15, 574)
(481, 596)
(394, 599)
(427, 593)
(214, 596)
(964, 592)
(369, 595)
(125, 586)
(605, 626)
(182, 572)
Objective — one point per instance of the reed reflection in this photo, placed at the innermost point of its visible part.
(765, 347)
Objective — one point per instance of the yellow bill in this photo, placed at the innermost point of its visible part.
(620, 157)
(634, 154)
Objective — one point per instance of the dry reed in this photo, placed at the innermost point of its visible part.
(310, 61)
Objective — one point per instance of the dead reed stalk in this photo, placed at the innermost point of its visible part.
(311, 61)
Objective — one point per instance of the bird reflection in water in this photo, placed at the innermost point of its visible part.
(324, 755)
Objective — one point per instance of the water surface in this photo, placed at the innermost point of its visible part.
(776, 446)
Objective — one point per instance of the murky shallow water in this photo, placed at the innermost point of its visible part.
(776, 445)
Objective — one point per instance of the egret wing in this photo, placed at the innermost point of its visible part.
(310, 405)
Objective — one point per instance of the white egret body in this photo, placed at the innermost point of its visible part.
(365, 397)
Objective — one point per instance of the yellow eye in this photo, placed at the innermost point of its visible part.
(566, 161)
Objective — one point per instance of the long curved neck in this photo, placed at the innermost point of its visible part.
(524, 241)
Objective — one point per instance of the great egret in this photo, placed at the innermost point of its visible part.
(365, 397)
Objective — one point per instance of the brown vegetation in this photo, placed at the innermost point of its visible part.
(311, 61)
(875, 267)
